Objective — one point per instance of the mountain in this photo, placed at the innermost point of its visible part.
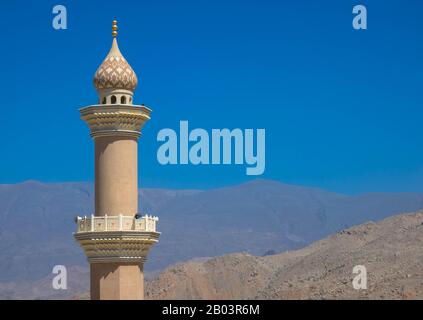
(42, 289)
(391, 250)
(37, 221)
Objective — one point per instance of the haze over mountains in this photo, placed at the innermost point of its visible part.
(37, 221)
(391, 250)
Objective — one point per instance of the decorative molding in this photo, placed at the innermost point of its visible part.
(117, 246)
(115, 120)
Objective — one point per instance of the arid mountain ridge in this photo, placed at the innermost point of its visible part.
(37, 221)
(391, 250)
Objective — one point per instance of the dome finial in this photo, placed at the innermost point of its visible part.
(114, 79)
(114, 28)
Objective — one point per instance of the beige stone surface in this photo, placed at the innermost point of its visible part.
(116, 176)
(117, 281)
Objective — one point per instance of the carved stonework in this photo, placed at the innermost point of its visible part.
(117, 246)
(147, 223)
(106, 120)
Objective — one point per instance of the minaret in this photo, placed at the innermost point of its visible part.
(116, 239)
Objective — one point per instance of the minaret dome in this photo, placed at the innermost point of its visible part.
(115, 80)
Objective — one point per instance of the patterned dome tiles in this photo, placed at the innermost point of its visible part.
(115, 72)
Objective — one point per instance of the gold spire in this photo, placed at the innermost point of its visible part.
(114, 28)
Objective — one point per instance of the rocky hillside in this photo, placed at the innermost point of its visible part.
(37, 221)
(391, 250)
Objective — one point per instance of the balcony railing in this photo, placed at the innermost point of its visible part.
(116, 223)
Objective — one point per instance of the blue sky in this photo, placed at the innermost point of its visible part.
(342, 108)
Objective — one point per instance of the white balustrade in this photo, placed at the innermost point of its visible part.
(146, 223)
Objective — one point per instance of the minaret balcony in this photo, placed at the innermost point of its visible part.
(107, 239)
(106, 223)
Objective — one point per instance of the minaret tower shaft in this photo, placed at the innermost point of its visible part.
(116, 239)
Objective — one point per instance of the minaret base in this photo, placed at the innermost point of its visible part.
(117, 281)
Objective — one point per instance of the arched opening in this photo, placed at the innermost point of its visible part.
(130, 100)
(104, 100)
(113, 100)
(123, 100)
